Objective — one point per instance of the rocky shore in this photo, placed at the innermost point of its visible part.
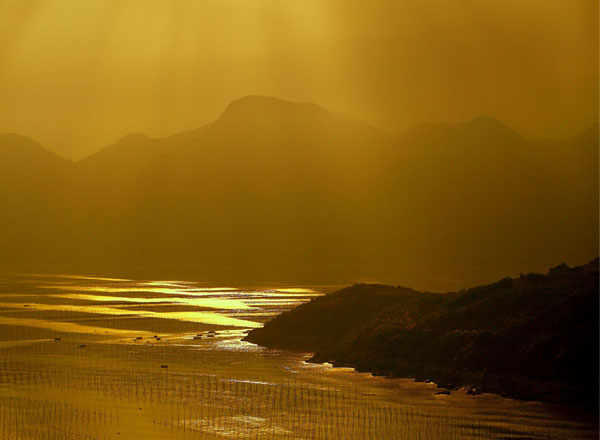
(534, 337)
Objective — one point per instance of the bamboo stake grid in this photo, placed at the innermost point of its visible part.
(53, 401)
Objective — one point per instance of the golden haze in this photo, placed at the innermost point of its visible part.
(76, 75)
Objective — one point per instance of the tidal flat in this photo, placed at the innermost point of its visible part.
(100, 358)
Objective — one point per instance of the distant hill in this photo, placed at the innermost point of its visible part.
(275, 191)
(32, 181)
(532, 337)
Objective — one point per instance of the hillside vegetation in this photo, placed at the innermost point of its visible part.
(533, 337)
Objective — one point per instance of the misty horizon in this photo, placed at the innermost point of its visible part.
(110, 68)
(117, 139)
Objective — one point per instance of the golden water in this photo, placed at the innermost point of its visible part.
(101, 358)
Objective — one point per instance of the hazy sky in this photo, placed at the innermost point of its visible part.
(77, 74)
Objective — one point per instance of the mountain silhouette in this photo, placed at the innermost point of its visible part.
(481, 128)
(279, 191)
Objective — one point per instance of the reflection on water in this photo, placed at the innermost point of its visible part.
(236, 344)
(185, 289)
(70, 277)
(238, 427)
(151, 362)
(212, 318)
(229, 307)
(178, 290)
(69, 327)
(213, 303)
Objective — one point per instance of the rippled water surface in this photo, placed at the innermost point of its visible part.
(101, 358)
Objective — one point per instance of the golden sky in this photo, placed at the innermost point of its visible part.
(77, 74)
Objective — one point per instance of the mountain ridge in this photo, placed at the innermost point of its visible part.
(277, 194)
(249, 103)
(8, 141)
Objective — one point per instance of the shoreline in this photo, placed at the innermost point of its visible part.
(533, 338)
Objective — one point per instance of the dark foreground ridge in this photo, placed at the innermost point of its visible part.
(533, 337)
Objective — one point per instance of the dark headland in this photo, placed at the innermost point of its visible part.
(534, 337)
